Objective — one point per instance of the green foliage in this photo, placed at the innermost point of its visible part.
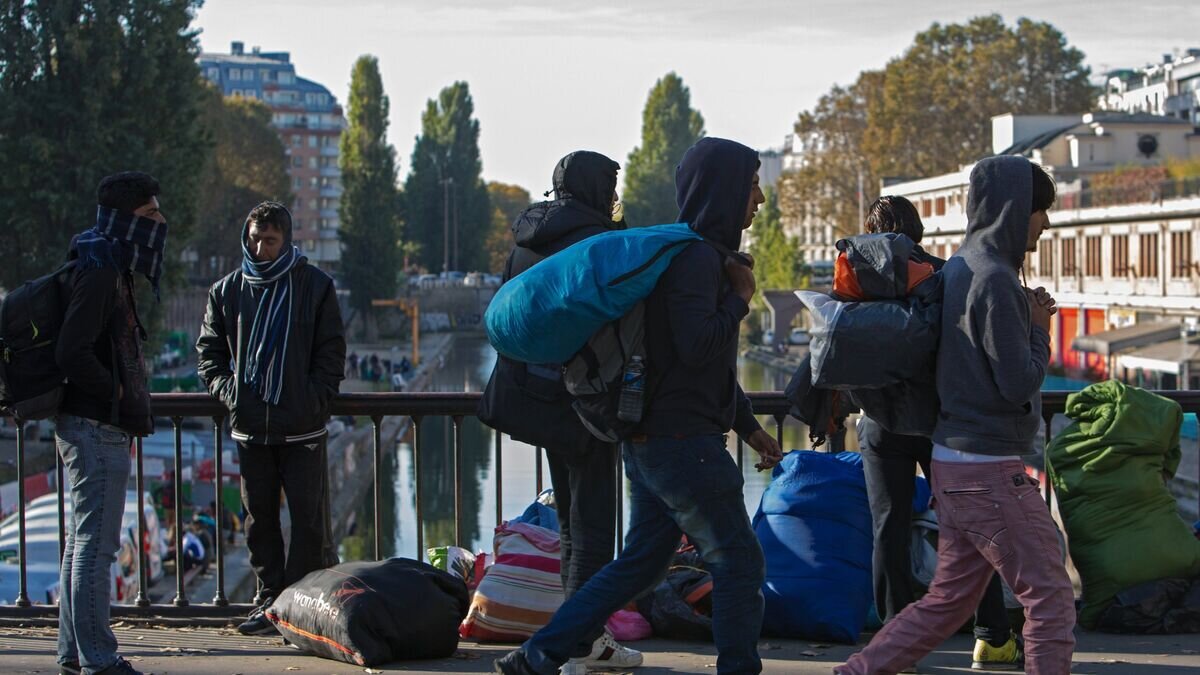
(669, 128)
(87, 90)
(248, 165)
(448, 150)
(777, 264)
(507, 203)
(369, 208)
(928, 112)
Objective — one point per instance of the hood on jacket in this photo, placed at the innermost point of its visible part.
(588, 177)
(999, 204)
(287, 236)
(712, 188)
(584, 183)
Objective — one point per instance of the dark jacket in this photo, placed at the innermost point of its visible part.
(314, 364)
(101, 325)
(992, 359)
(584, 183)
(693, 316)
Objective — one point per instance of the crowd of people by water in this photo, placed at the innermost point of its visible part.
(272, 350)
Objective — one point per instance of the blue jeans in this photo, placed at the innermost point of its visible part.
(96, 463)
(686, 486)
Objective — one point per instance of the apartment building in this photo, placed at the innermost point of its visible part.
(310, 123)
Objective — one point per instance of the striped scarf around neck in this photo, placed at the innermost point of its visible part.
(272, 325)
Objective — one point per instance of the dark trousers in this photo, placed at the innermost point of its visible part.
(677, 486)
(300, 472)
(585, 495)
(890, 462)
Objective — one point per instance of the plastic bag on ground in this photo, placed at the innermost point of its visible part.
(1162, 607)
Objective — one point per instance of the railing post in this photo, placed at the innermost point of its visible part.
(741, 454)
(537, 470)
(377, 463)
(180, 593)
(458, 474)
(143, 597)
(619, 481)
(416, 422)
(219, 511)
(499, 482)
(22, 592)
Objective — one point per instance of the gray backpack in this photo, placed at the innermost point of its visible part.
(594, 375)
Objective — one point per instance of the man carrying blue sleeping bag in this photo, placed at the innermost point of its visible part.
(682, 478)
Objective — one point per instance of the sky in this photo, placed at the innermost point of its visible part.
(551, 76)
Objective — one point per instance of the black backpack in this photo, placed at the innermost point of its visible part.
(595, 375)
(31, 316)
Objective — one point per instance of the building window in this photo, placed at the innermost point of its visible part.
(1181, 255)
(312, 162)
(1046, 259)
(297, 141)
(1148, 256)
(1069, 266)
(248, 75)
(940, 207)
(312, 182)
(926, 208)
(235, 74)
(296, 224)
(1120, 255)
(1091, 262)
(264, 75)
(214, 74)
(310, 245)
(313, 141)
(297, 162)
(297, 183)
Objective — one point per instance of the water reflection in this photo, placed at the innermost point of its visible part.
(466, 369)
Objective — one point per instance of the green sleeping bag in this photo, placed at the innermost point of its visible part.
(1109, 469)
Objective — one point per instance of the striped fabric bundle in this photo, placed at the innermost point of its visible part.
(521, 591)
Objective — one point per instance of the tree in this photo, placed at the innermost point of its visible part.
(447, 201)
(777, 265)
(934, 110)
(248, 165)
(508, 201)
(927, 112)
(669, 128)
(369, 206)
(86, 90)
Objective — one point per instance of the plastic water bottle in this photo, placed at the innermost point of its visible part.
(633, 389)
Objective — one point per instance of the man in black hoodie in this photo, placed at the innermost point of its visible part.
(583, 473)
(682, 478)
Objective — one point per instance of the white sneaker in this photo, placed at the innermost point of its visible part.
(608, 653)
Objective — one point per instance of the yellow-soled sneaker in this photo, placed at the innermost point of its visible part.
(1008, 657)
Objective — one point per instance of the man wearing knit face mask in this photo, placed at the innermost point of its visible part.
(105, 403)
(272, 350)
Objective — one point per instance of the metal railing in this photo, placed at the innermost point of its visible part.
(376, 406)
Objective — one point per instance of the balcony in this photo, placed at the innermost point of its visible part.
(419, 409)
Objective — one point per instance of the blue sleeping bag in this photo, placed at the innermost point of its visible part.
(549, 312)
(815, 529)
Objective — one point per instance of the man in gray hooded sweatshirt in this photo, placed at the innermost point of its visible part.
(995, 345)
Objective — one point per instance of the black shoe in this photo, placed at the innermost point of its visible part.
(513, 663)
(258, 623)
(71, 668)
(121, 667)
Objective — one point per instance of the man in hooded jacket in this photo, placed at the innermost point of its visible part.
(995, 345)
(682, 478)
(272, 349)
(583, 472)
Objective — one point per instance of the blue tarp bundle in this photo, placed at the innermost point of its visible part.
(548, 313)
(815, 528)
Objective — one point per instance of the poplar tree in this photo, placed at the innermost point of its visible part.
(669, 128)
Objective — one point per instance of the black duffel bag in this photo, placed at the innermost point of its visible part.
(371, 613)
(530, 403)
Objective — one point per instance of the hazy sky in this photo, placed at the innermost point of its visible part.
(550, 76)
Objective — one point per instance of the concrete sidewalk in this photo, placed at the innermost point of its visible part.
(171, 651)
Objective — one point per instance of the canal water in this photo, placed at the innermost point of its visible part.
(467, 368)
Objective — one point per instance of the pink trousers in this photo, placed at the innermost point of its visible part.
(990, 516)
